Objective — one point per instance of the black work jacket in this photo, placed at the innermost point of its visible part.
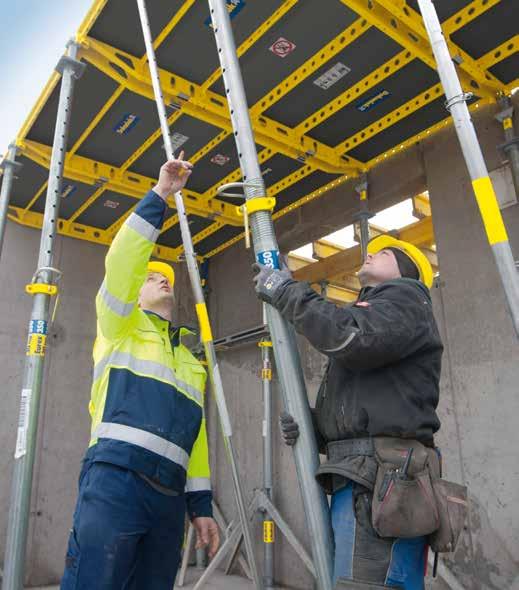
(384, 359)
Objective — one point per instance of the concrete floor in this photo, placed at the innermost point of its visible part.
(218, 582)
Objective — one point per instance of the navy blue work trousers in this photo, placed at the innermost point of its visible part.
(125, 534)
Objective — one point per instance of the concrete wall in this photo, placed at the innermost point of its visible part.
(479, 402)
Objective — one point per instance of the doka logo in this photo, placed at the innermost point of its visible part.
(126, 124)
(373, 101)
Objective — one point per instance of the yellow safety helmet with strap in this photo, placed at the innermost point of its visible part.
(419, 259)
(163, 269)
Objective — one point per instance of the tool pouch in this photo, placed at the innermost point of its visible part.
(452, 507)
(404, 507)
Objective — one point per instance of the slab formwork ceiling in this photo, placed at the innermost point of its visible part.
(334, 87)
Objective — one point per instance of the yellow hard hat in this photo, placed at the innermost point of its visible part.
(163, 269)
(420, 260)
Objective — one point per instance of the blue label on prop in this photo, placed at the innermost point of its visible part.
(68, 190)
(127, 123)
(234, 7)
(372, 101)
(269, 258)
(37, 327)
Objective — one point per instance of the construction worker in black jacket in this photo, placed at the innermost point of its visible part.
(382, 380)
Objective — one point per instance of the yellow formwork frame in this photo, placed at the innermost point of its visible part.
(390, 17)
(294, 141)
(112, 178)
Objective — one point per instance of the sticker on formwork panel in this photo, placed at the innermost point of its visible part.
(268, 531)
(269, 258)
(234, 7)
(220, 159)
(177, 141)
(67, 190)
(331, 76)
(282, 47)
(372, 101)
(23, 423)
(37, 339)
(111, 204)
(126, 124)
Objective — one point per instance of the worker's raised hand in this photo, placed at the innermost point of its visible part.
(289, 429)
(173, 176)
(207, 534)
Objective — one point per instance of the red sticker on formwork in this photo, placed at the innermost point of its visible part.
(282, 47)
(220, 159)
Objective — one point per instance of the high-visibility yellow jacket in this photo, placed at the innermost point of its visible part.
(147, 403)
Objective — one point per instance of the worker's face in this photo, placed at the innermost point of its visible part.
(378, 268)
(155, 291)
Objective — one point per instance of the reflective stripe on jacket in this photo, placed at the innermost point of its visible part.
(147, 402)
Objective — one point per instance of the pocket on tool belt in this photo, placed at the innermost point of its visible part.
(404, 504)
(452, 507)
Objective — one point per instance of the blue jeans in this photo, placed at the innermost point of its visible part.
(361, 555)
(125, 535)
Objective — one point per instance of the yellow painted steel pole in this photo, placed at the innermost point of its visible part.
(481, 183)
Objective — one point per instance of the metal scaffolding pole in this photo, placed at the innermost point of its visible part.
(43, 289)
(511, 145)
(283, 336)
(268, 524)
(482, 185)
(9, 166)
(201, 308)
(363, 215)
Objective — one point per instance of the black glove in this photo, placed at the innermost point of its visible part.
(268, 281)
(289, 429)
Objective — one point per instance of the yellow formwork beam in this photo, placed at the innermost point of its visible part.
(311, 65)
(254, 37)
(350, 94)
(209, 106)
(135, 185)
(81, 232)
(399, 10)
(421, 206)
(390, 17)
(390, 119)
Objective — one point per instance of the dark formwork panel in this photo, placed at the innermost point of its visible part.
(309, 25)
(487, 32)
(173, 238)
(404, 129)
(218, 238)
(278, 167)
(444, 8)
(190, 51)
(215, 166)
(507, 70)
(193, 132)
(28, 182)
(106, 210)
(303, 187)
(73, 193)
(363, 56)
(92, 91)
(119, 25)
(106, 144)
(402, 86)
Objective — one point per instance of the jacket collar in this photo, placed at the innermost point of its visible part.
(175, 332)
(365, 291)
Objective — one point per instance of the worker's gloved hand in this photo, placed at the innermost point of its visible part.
(268, 281)
(289, 429)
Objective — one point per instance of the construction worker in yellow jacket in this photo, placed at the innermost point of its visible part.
(147, 461)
